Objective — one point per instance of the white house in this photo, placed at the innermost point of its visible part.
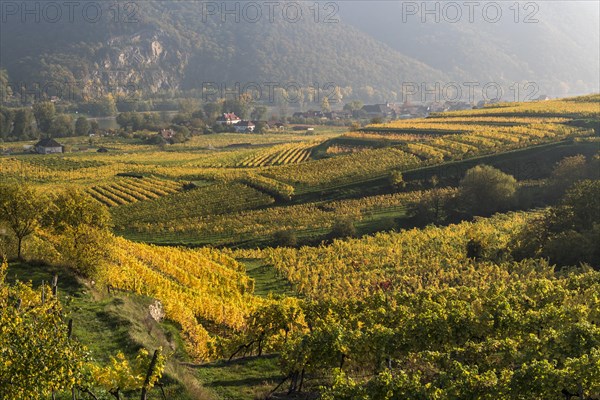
(244, 126)
(49, 146)
(228, 119)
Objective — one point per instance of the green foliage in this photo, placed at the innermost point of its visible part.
(7, 116)
(82, 127)
(433, 207)
(397, 180)
(286, 238)
(532, 335)
(21, 208)
(134, 121)
(485, 190)
(80, 230)
(104, 106)
(62, 126)
(568, 234)
(23, 124)
(44, 115)
(343, 228)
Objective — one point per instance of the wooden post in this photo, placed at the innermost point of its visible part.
(55, 285)
(149, 374)
(70, 328)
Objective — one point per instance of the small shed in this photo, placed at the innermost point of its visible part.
(49, 146)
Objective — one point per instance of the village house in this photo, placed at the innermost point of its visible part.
(276, 125)
(244, 127)
(49, 146)
(228, 119)
(379, 110)
(167, 134)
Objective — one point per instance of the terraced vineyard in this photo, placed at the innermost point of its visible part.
(131, 190)
(442, 139)
(281, 155)
(308, 220)
(191, 284)
(215, 199)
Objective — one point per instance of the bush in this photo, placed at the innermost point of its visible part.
(485, 190)
(343, 228)
(285, 238)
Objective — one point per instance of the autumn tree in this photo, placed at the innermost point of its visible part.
(21, 208)
(80, 230)
(37, 356)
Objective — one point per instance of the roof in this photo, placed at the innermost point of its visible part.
(228, 117)
(48, 142)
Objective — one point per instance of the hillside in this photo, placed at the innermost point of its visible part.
(160, 46)
(172, 46)
(444, 256)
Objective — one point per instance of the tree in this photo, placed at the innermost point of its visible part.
(82, 127)
(397, 180)
(285, 238)
(583, 204)
(80, 228)
(189, 105)
(343, 228)
(44, 114)
(260, 127)
(94, 126)
(23, 124)
(212, 110)
(107, 106)
(566, 172)
(38, 356)
(354, 105)
(431, 207)
(5, 89)
(325, 107)
(22, 208)
(259, 113)
(6, 122)
(485, 190)
(62, 126)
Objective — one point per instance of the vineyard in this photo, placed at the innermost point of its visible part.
(407, 259)
(193, 285)
(344, 265)
(287, 154)
(308, 220)
(131, 190)
(192, 204)
(343, 169)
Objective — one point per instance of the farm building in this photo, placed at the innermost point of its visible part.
(49, 146)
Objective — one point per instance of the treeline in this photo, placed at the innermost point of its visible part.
(42, 120)
(485, 190)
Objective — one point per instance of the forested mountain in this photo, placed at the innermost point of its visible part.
(552, 43)
(157, 46)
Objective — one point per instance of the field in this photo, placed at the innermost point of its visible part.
(297, 264)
